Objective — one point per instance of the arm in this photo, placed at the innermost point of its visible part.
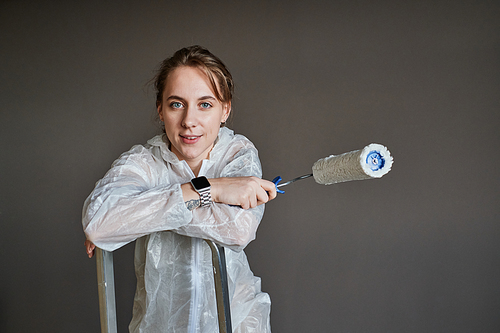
(129, 202)
(239, 185)
(132, 200)
(246, 192)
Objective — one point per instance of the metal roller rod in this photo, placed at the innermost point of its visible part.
(294, 180)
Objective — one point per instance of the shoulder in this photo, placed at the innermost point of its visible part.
(231, 143)
(227, 134)
(236, 155)
(141, 156)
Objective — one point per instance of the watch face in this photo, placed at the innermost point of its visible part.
(200, 183)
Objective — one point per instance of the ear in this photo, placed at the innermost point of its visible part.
(226, 111)
(158, 109)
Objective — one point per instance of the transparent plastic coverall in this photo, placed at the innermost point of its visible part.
(140, 198)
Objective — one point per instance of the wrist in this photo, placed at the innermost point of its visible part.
(214, 189)
(190, 196)
(203, 187)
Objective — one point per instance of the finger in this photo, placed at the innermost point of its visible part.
(262, 196)
(254, 200)
(89, 247)
(272, 192)
(270, 188)
(91, 251)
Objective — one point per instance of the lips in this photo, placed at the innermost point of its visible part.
(190, 139)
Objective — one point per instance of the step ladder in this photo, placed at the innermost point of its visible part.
(106, 289)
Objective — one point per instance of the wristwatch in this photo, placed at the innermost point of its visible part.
(202, 186)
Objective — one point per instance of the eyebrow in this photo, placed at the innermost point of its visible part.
(182, 99)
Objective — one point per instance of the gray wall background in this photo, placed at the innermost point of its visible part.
(416, 251)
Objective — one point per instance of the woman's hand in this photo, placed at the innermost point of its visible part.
(246, 192)
(89, 246)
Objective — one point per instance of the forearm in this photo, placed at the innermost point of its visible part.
(245, 192)
(190, 196)
(125, 214)
(230, 226)
(235, 213)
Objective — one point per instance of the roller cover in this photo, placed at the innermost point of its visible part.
(373, 161)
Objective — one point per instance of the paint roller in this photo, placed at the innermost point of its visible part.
(373, 161)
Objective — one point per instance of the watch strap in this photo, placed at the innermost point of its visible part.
(205, 198)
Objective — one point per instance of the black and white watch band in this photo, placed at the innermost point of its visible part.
(205, 198)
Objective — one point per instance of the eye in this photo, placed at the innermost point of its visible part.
(176, 105)
(205, 105)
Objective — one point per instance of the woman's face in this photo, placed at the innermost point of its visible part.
(192, 115)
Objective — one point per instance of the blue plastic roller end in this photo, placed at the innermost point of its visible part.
(375, 160)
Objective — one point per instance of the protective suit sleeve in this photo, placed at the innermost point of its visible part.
(229, 226)
(129, 203)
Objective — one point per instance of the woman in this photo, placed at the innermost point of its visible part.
(197, 181)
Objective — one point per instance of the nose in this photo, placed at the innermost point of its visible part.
(189, 118)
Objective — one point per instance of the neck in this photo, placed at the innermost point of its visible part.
(195, 168)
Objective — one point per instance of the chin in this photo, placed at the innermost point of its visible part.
(190, 155)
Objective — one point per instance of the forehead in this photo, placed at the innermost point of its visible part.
(188, 81)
